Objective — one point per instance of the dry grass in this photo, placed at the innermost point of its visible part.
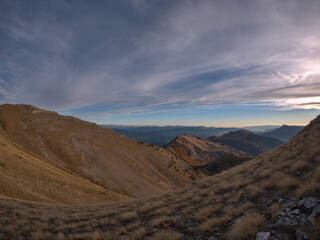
(287, 183)
(205, 212)
(138, 234)
(308, 188)
(249, 225)
(300, 165)
(214, 222)
(165, 235)
(162, 221)
(254, 191)
(236, 198)
(194, 211)
(128, 216)
(275, 209)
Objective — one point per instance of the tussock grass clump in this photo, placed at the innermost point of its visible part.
(150, 206)
(214, 222)
(265, 173)
(96, 236)
(162, 221)
(138, 234)
(280, 181)
(236, 198)
(308, 187)
(205, 212)
(162, 211)
(254, 191)
(300, 165)
(275, 209)
(249, 225)
(287, 182)
(128, 216)
(165, 235)
(59, 236)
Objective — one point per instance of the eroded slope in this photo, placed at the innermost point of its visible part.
(198, 151)
(113, 161)
(277, 193)
(26, 176)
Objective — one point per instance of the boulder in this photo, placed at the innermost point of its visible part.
(263, 236)
(316, 211)
(308, 203)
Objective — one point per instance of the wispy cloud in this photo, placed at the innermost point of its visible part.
(152, 55)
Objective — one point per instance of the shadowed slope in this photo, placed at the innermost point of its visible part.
(263, 194)
(198, 151)
(246, 141)
(114, 161)
(227, 161)
(284, 133)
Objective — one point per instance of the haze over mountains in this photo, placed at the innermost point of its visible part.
(283, 133)
(244, 140)
(222, 152)
(161, 136)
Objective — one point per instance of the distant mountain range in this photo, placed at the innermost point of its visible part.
(284, 133)
(50, 158)
(246, 141)
(70, 166)
(161, 136)
(216, 153)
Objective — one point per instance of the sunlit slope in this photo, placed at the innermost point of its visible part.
(114, 161)
(28, 177)
(199, 151)
(262, 194)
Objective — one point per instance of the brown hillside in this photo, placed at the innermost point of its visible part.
(198, 151)
(113, 161)
(227, 161)
(246, 141)
(276, 194)
(28, 177)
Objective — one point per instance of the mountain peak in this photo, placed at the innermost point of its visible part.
(239, 134)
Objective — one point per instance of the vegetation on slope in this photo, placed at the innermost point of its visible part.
(26, 176)
(259, 195)
(246, 141)
(198, 151)
(113, 161)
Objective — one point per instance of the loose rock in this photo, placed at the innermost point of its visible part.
(316, 211)
(263, 236)
(296, 211)
(301, 235)
(308, 202)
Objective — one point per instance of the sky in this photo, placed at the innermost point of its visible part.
(148, 62)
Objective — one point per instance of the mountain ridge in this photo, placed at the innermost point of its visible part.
(284, 133)
(276, 194)
(100, 155)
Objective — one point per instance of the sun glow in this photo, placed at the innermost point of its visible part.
(301, 103)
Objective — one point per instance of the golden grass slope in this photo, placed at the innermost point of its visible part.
(234, 204)
(28, 177)
(100, 155)
(199, 151)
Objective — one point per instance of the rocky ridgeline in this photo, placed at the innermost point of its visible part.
(293, 221)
